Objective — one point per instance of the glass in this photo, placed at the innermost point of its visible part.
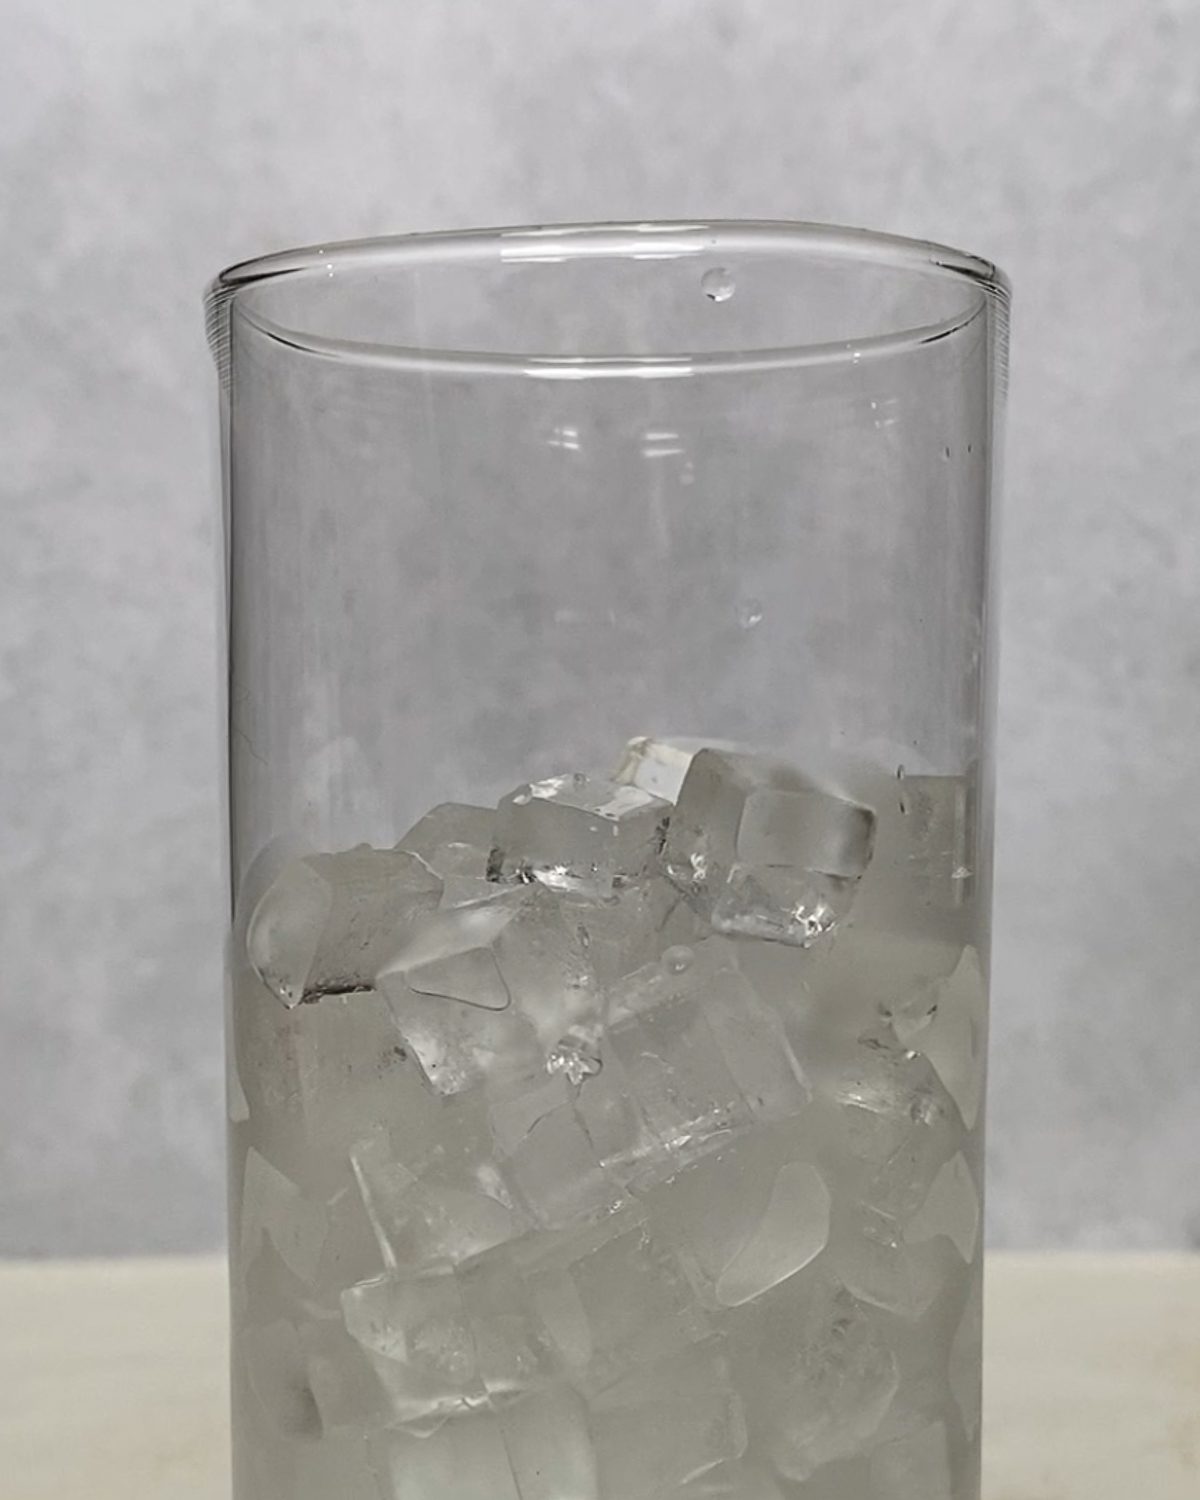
(610, 782)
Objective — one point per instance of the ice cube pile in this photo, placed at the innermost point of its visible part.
(616, 1143)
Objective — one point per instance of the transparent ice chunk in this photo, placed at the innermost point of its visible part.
(667, 1424)
(924, 863)
(426, 1224)
(631, 927)
(658, 766)
(955, 1038)
(827, 1380)
(516, 948)
(328, 921)
(773, 1218)
(549, 1446)
(453, 840)
(514, 1345)
(417, 1336)
(577, 833)
(951, 1207)
(465, 1459)
(701, 1054)
(273, 1207)
(458, 1047)
(874, 1262)
(547, 1155)
(763, 851)
(345, 1388)
(916, 1467)
(618, 1301)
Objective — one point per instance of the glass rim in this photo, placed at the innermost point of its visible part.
(650, 240)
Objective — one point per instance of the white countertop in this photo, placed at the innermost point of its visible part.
(112, 1379)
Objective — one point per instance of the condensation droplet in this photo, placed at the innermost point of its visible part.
(750, 613)
(717, 285)
(677, 959)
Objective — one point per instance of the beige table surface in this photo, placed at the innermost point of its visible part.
(112, 1379)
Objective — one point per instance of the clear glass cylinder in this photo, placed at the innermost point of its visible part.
(610, 767)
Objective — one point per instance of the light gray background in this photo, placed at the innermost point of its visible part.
(146, 142)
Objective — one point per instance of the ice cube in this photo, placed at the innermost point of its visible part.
(955, 1038)
(773, 1219)
(951, 1208)
(701, 1053)
(417, 1336)
(277, 1369)
(658, 766)
(514, 1346)
(925, 855)
(577, 833)
(453, 840)
(547, 1155)
(329, 920)
(827, 1378)
(666, 1424)
(629, 1304)
(537, 1449)
(916, 1467)
(631, 927)
(274, 1207)
(892, 1114)
(549, 1446)
(465, 1459)
(425, 1224)
(763, 851)
(966, 1356)
(875, 1263)
(458, 1047)
(517, 948)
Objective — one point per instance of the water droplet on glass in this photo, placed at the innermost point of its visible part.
(945, 455)
(750, 613)
(575, 1058)
(677, 959)
(717, 285)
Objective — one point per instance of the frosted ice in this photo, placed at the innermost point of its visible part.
(425, 1224)
(453, 840)
(658, 766)
(417, 1336)
(577, 833)
(514, 1344)
(667, 1424)
(327, 922)
(828, 1380)
(763, 851)
(274, 1207)
(791, 1232)
(701, 1053)
(916, 1467)
(951, 1207)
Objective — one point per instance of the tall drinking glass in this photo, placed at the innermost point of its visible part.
(610, 767)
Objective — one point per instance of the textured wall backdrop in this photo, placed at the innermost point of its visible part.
(146, 142)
